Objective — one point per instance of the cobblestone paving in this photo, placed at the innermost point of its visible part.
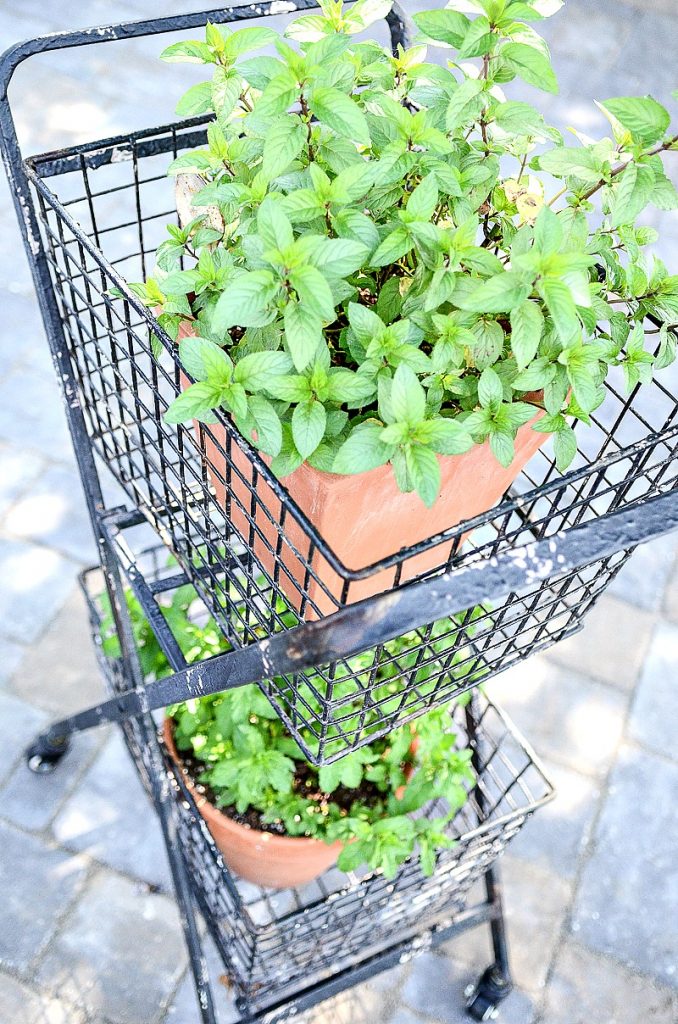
(88, 929)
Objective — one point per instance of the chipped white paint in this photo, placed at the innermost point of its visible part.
(26, 210)
(422, 944)
(120, 154)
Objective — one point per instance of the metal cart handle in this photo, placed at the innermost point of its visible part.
(240, 11)
(364, 625)
(356, 627)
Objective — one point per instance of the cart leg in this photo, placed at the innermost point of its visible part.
(495, 983)
(186, 906)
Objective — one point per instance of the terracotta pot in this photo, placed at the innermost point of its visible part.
(278, 862)
(362, 518)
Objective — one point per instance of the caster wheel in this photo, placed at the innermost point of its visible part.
(479, 1007)
(483, 999)
(43, 756)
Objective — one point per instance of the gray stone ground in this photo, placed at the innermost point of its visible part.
(86, 937)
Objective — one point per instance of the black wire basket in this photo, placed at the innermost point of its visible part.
(254, 557)
(274, 942)
(522, 576)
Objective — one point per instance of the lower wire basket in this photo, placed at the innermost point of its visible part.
(275, 943)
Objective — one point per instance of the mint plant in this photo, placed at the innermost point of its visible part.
(391, 261)
(366, 799)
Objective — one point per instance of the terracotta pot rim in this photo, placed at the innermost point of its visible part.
(211, 813)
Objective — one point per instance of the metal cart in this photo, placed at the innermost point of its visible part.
(495, 589)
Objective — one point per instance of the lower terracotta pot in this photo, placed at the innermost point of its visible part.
(278, 862)
(362, 518)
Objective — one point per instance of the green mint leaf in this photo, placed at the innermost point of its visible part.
(278, 96)
(308, 426)
(244, 40)
(580, 376)
(502, 446)
(490, 389)
(564, 447)
(259, 71)
(532, 66)
(339, 257)
(465, 104)
(527, 326)
(548, 233)
(446, 436)
(499, 294)
(632, 193)
(423, 201)
(362, 451)
(226, 89)
(489, 343)
(408, 398)
(197, 100)
(340, 113)
(424, 470)
(285, 139)
(364, 13)
(303, 333)
(519, 118)
(365, 323)
(303, 206)
(478, 40)
(536, 376)
(562, 308)
(329, 776)
(352, 183)
(195, 403)
(390, 301)
(309, 29)
(448, 27)
(234, 398)
(667, 348)
(314, 292)
(205, 361)
(570, 161)
(646, 120)
(394, 247)
(267, 424)
(246, 302)
(347, 386)
(289, 389)
(255, 370)
(181, 282)
(191, 51)
(273, 226)
(354, 224)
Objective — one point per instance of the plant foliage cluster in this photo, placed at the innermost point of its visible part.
(252, 763)
(391, 260)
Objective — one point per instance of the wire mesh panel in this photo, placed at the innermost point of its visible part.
(251, 553)
(334, 708)
(277, 941)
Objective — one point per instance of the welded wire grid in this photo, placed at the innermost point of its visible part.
(279, 941)
(337, 707)
(252, 555)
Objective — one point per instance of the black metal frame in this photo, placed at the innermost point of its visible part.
(242, 540)
(545, 554)
(362, 923)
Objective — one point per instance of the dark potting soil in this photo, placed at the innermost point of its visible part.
(305, 783)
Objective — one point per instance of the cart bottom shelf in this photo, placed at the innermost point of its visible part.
(299, 945)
